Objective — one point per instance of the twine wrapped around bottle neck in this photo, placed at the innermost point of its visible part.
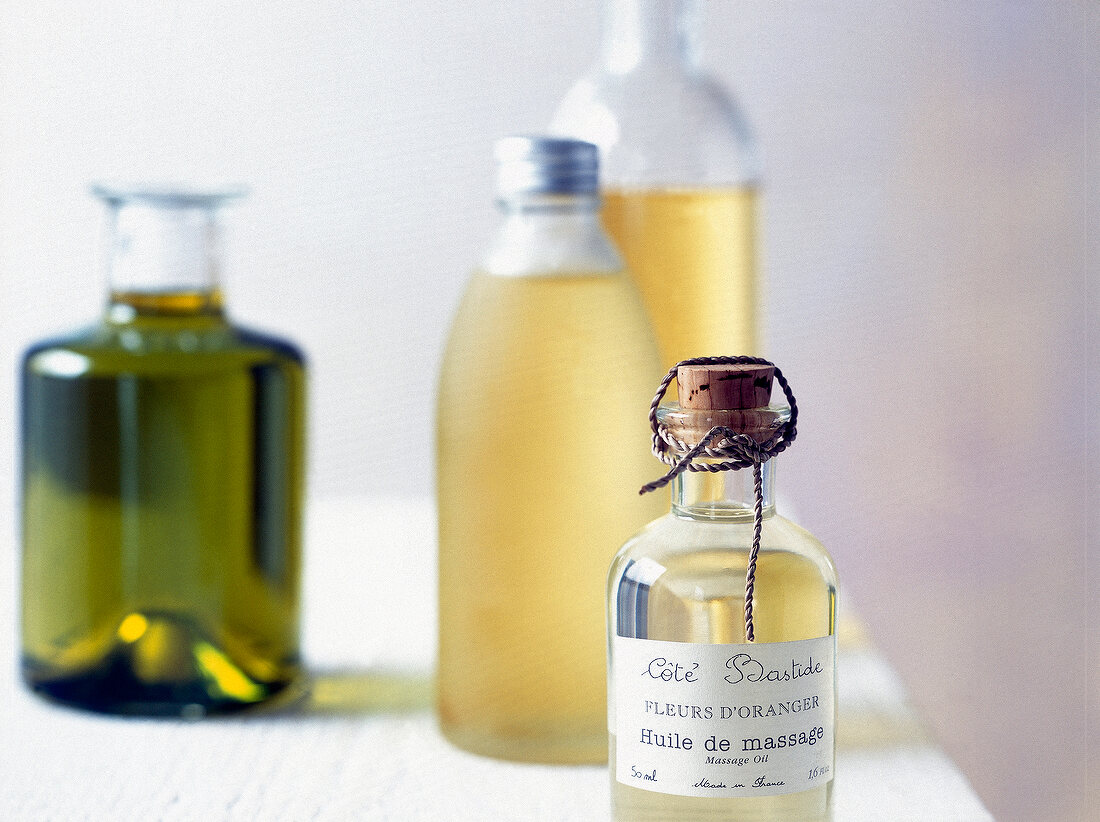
(734, 450)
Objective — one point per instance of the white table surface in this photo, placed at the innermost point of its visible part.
(363, 744)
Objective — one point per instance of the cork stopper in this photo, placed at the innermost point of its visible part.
(724, 387)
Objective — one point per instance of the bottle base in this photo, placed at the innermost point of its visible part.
(109, 695)
(635, 805)
(167, 669)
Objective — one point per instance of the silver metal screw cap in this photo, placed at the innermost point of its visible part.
(546, 165)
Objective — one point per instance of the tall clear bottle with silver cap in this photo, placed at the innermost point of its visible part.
(548, 357)
(162, 483)
(680, 176)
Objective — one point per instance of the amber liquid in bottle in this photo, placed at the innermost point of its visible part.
(162, 483)
(692, 253)
(530, 511)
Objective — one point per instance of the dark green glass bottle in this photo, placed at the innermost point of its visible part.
(162, 483)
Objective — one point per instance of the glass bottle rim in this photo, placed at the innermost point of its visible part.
(690, 425)
(168, 194)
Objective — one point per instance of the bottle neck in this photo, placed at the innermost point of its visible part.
(162, 260)
(549, 234)
(654, 34)
(723, 495)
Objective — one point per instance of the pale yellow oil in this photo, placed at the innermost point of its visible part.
(692, 581)
(692, 253)
(541, 450)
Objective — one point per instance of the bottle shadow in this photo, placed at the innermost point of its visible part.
(353, 692)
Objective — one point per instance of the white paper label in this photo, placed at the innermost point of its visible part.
(723, 720)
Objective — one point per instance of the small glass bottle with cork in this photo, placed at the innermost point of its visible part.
(721, 619)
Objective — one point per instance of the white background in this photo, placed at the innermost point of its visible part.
(930, 281)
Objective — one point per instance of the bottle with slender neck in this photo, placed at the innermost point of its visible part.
(162, 483)
(677, 596)
(680, 177)
(645, 36)
(524, 419)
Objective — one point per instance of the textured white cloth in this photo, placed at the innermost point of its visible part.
(365, 745)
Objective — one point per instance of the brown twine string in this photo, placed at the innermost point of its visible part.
(735, 449)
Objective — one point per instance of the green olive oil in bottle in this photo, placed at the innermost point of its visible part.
(162, 482)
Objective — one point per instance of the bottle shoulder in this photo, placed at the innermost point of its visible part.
(533, 244)
(158, 345)
(74, 341)
(674, 128)
(277, 345)
(673, 545)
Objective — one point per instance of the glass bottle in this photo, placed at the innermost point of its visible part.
(529, 515)
(680, 176)
(162, 483)
(692, 702)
